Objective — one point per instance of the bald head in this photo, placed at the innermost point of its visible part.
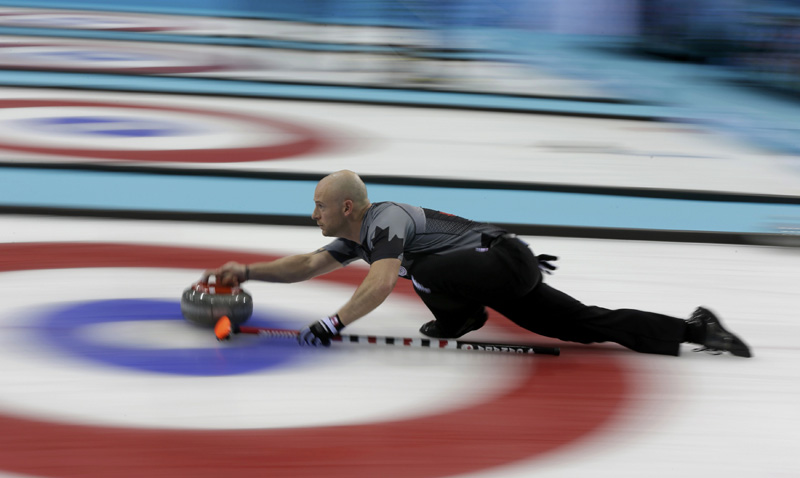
(345, 185)
(340, 203)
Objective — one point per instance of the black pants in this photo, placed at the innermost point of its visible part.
(506, 277)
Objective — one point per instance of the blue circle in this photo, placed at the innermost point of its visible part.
(64, 328)
(109, 126)
(95, 56)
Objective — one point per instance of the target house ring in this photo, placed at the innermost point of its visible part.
(559, 401)
(88, 20)
(108, 58)
(106, 121)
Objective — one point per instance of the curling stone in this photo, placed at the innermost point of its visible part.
(203, 304)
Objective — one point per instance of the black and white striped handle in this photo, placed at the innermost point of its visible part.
(411, 342)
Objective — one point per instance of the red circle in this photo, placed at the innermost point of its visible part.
(559, 401)
(203, 63)
(308, 140)
(144, 24)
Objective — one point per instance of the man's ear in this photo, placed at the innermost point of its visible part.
(348, 207)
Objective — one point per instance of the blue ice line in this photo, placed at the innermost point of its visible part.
(200, 194)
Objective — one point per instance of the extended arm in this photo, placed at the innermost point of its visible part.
(296, 268)
(375, 288)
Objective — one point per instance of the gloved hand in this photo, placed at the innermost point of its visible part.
(544, 263)
(320, 332)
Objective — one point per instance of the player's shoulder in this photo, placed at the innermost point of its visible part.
(393, 214)
(392, 207)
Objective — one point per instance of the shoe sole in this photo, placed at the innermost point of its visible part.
(729, 342)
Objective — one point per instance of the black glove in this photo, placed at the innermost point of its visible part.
(544, 263)
(320, 332)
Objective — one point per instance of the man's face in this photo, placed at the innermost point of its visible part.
(328, 212)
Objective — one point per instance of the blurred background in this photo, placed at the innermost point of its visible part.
(654, 145)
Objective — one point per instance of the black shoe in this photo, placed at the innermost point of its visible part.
(713, 336)
(432, 328)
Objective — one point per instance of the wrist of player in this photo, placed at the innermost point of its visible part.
(321, 332)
